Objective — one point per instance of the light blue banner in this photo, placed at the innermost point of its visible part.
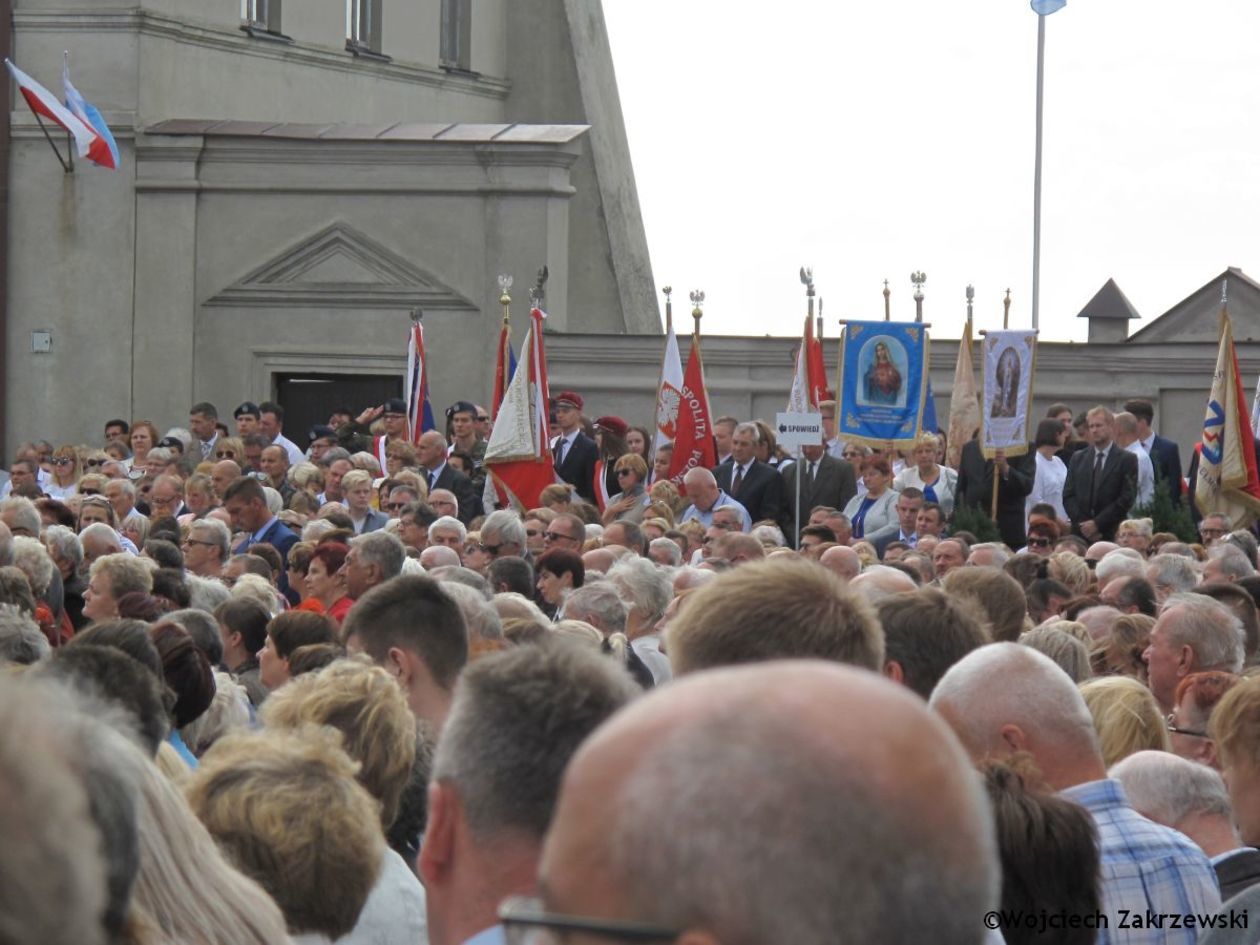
(883, 383)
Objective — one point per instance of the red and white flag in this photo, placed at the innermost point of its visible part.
(809, 383)
(504, 368)
(518, 456)
(416, 387)
(1228, 482)
(693, 440)
(87, 142)
(668, 392)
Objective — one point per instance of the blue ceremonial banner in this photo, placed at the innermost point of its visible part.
(883, 383)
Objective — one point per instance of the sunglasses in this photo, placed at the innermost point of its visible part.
(225, 454)
(1039, 542)
(395, 506)
(63, 461)
(624, 472)
(96, 462)
(89, 492)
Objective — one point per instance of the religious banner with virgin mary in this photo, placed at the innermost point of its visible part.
(1010, 358)
(883, 383)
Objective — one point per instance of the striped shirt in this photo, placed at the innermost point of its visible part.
(1147, 870)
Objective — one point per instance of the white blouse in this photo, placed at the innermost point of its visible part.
(1048, 486)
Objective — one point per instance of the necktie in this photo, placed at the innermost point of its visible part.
(1093, 486)
(738, 481)
(560, 448)
(811, 472)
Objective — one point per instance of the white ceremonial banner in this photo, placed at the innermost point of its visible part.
(1010, 360)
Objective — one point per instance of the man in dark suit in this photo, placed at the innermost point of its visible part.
(1164, 453)
(246, 502)
(573, 452)
(753, 484)
(1101, 482)
(1015, 480)
(825, 480)
(431, 455)
(909, 504)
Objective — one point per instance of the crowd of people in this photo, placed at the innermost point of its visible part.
(257, 692)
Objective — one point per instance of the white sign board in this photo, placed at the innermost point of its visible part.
(795, 430)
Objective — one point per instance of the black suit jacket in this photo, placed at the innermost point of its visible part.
(470, 504)
(1113, 497)
(1166, 458)
(280, 537)
(761, 492)
(1238, 872)
(975, 489)
(834, 485)
(578, 468)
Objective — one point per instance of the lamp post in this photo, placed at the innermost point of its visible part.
(1043, 8)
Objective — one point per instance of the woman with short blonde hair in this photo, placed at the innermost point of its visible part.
(1126, 717)
(366, 705)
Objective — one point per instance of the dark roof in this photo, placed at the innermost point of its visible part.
(1109, 302)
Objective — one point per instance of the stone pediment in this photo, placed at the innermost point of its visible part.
(1197, 316)
(340, 267)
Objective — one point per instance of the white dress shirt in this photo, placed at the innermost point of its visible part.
(1146, 474)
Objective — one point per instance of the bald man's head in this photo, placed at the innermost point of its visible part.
(842, 561)
(833, 769)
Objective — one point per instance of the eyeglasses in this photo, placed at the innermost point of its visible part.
(1039, 542)
(526, 921)
(1213, 532)
(557, 536)
(63, 461)
(225, 454)
(198, 541)
(1172, 727)
(624, 472)
(89, 492)
(532, 532)
(395, 506)
(96, 462)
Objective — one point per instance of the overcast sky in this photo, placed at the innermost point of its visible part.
(873, 139)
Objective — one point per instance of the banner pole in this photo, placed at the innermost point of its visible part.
(796, 539)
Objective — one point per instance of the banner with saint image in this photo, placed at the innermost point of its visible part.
(883, 383)
(1010, 359)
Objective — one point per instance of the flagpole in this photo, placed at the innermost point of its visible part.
(918, 278)
(1036, 268)
(887, 302)
(1006, 313)
(669, 308)
(68, 168)
(807, 277)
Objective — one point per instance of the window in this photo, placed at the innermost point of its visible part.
(261, 14)
(457, 35)
(363, 27)
(262, 19)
